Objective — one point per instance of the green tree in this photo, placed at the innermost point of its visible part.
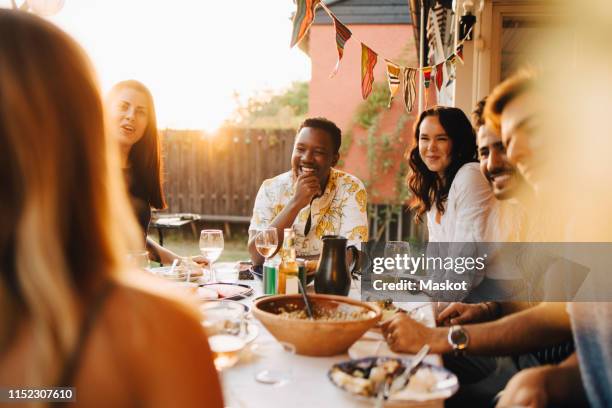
(273, 109)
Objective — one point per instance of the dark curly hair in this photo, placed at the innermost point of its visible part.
(427, 188)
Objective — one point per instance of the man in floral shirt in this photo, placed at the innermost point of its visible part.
(313, 198)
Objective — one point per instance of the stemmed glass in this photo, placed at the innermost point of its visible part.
(272, 367)
(394, 248)
(266, 242)
(211, 246)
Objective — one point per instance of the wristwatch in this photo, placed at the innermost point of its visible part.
(458, 338)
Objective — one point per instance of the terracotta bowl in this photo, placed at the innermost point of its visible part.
(315, 337)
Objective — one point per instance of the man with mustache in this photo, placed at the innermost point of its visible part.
(313, 198)
(506, 221)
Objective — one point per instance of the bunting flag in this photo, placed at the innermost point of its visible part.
(410, 88)
(459, 52)
(451, 72)
(302, 19)
(427, 76)
(439, 75)
(342, 36)
(393, 76)
(368, 61)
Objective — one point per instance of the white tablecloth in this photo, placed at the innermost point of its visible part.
(310, 386)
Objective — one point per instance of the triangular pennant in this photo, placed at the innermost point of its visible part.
(368, 61)
(439, 75)
(342, 36)
(427, 76)
(393, 77)
(452, 59)
(451, 71)
(409, 87)
(459, 52)
(302, 19)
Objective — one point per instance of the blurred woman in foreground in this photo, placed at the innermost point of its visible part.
(68, 315)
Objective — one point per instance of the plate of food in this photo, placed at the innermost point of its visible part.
(224, 290)
(362, 378)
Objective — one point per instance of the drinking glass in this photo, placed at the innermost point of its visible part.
(272, 367)
(266, 242)
(211, 246)
(224, 325)
(394, 248)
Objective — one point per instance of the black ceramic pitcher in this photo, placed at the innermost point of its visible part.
(333, 277)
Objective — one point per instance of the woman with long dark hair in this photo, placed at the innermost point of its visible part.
(445, 180)
(133, 123)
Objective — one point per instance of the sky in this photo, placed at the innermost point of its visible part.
(194, 55)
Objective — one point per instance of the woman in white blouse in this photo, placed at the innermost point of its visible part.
(446, 181)
(448, 187)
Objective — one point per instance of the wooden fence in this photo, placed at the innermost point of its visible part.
(219, 176)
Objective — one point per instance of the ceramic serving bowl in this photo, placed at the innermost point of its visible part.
(345, 321)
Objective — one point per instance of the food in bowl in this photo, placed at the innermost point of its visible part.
(294, 311)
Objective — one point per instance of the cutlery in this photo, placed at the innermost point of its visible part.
(306, 300)
(401, 380)
(174, 263)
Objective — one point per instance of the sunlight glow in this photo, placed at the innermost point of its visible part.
(194, 55)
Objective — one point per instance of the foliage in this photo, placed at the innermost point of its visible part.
(273, 109)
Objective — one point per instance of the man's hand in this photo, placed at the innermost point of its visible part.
(307, 187)
(529, 388)
(405, 335)
(200, 260)
(462, 313)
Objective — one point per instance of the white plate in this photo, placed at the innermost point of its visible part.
(163, 270)
(371, 344)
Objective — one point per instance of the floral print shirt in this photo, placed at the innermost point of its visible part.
(341, 210)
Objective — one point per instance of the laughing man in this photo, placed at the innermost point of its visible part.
(313, 198)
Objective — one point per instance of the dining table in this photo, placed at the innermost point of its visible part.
(309, 385)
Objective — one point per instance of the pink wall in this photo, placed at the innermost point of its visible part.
(337, 98)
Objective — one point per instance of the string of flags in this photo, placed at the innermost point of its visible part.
(303, 19)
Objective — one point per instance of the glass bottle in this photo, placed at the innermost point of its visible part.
(288, 271)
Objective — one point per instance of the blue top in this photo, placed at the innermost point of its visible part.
(592, 328)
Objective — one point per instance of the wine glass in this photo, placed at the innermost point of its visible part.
(211, 246)
(394, 248)
(272, 366)
(266, 242)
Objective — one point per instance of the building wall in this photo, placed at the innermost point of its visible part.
(337, 98)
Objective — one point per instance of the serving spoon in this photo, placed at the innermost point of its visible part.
(306, 300)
